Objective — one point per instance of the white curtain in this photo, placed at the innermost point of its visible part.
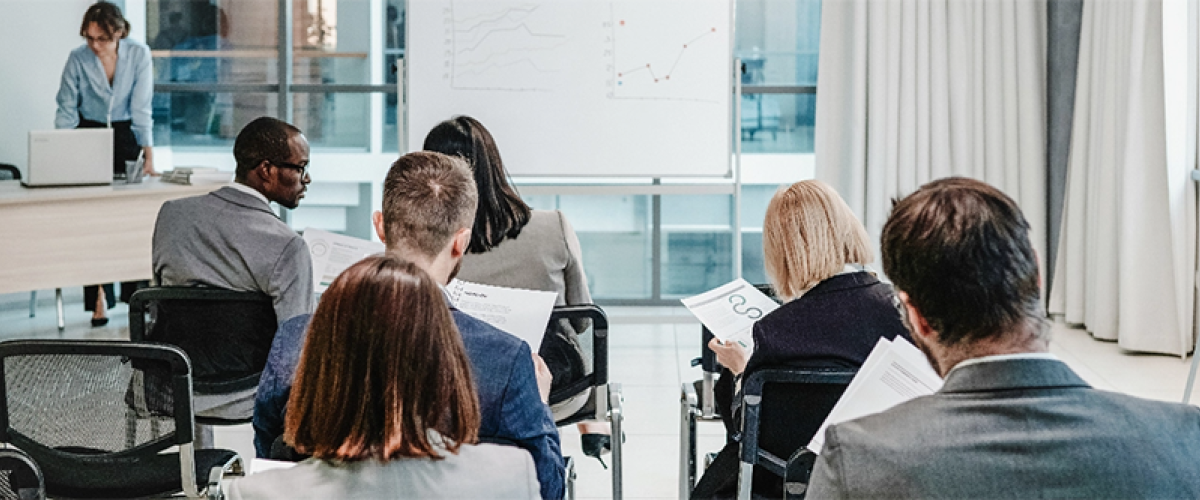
(915, 90)
(1124, 257)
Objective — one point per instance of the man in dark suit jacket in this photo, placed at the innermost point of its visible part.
(429, 204)
(1011, 421)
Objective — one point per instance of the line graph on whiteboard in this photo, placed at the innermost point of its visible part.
(502, 45)
(650, 59)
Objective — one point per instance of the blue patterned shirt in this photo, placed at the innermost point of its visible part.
(85, 92)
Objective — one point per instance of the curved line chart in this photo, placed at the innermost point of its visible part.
(494, 46)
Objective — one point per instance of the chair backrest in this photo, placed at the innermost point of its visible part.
(575, 348)
(9, 172)
(226, 334)
(70, 403)
(782, 410)
(20, 477)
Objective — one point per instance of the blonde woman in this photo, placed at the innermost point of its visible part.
(815, 253)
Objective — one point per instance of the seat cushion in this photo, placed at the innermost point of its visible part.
(75, 474)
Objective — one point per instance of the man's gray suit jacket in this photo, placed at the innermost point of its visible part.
(231, 239)
(1023, 428)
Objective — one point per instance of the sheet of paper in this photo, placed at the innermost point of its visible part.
(261, 465)
(332, 253)
(893, 373)
(524, 313)
(730, 311)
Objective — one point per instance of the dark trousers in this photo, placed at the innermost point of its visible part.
(125, 148)
(110, 297)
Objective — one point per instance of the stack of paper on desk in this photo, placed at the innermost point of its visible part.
(197, 175)
(332, 253)
(894, 372)
(524, 313)
(730, 311)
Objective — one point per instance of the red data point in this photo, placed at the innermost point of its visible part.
(668, 77)
(714, 30)
(656, 80)
(647, 65)
(623, 22)
(618, 74)
(685, 45)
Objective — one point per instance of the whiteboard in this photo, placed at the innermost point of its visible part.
(578, 87)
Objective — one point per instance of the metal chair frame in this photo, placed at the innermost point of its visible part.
(606, 396)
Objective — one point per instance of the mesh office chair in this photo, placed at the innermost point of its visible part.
(99, 418)
(226, 335)
(781, 410)
(575, 348)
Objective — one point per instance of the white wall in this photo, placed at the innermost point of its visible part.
(37, 36)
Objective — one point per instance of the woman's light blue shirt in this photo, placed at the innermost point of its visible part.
(85, 91)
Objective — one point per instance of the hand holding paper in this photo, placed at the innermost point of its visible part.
(730, 311)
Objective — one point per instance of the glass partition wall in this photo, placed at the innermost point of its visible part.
(330, 67)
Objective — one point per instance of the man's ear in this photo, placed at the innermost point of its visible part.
(462, 240)
(916, 320)
(377, 221)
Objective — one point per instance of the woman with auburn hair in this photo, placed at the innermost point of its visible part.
(384, 400)
(815, 253)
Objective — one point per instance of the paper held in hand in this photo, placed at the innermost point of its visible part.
(523, 313)
(730, 311)
(332, 253)
(895, 372)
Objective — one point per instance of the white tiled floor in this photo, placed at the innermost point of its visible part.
(650, 350)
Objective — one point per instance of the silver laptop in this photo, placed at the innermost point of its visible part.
(70, 157)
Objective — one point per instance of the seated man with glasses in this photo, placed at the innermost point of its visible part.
(232, 239)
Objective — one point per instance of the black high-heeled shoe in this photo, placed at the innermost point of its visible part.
(595, 445)
(98, 322)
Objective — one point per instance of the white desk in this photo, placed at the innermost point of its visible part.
(61, 237)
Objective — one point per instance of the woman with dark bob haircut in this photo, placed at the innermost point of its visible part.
(515, 246)
(384, 400)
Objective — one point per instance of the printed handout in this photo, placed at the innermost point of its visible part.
(524, 313)
(332, 253)
(730, 311)
(894, 372)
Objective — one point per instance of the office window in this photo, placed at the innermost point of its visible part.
(217, 67)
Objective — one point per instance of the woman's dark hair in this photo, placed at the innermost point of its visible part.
(108, 17)
(501, 213)
(382, 365)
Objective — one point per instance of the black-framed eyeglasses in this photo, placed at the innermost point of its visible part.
(303, 169)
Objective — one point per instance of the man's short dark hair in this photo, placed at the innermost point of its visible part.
(960, 249)
(265, 138)
(427, 197)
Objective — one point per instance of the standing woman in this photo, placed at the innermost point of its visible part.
(108, 83)
(514, 246)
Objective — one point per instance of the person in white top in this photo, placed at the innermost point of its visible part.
(384, 400)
